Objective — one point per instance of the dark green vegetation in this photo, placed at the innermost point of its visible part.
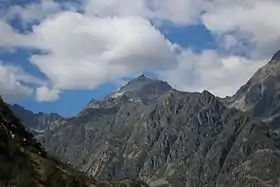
(166, 137)
(25, 164)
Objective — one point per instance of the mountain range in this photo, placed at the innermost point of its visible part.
(168, 138)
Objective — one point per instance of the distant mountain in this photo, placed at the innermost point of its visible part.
(37, 122)
(261, 94)
(25, 164)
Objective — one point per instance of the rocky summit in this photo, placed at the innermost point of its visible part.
(148, 130)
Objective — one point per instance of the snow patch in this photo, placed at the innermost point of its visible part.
(116, 95)
(239, 104)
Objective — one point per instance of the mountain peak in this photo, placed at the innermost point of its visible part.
(138, 83)
(142, 77)
(260, 94)
(142, 89)
(276, 56)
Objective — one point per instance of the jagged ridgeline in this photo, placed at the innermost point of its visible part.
(24, 163)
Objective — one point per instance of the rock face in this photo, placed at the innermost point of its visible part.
(261, 94)
(168, 138)
(24, 163)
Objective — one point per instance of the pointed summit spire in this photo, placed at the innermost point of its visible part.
(141, 81)
(276, 56)
(142, 77)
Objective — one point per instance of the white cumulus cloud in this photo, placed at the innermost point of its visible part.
(13, 83)
(97, 50)
(253, 24)
(181, 12)
(114, 39)
(8, 37)
(222, 75)
(45, 94)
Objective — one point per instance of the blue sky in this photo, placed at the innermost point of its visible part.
(57, 56)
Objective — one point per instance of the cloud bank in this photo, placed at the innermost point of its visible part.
(107, 41)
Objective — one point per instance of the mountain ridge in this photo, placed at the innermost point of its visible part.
(260, 96)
